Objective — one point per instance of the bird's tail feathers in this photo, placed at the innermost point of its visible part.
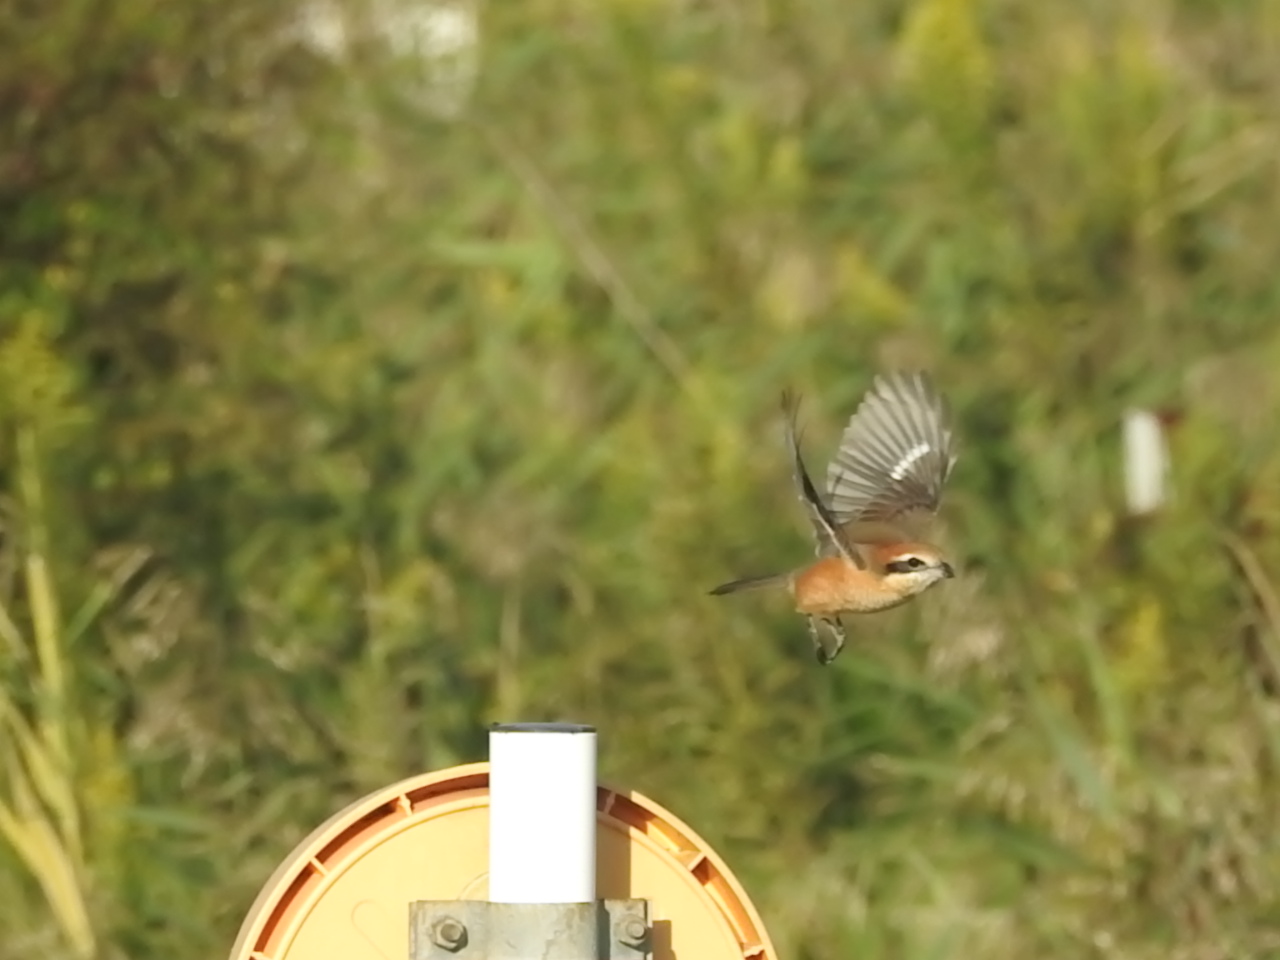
(751, 583)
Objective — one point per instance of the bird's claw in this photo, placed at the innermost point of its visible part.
(818, 649)
(837, 631)
(824, 655)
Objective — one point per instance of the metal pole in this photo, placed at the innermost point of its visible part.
(542, 813)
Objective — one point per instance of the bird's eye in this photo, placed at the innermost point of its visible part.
(915, 563)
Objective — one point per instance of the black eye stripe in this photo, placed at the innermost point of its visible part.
(908, 565)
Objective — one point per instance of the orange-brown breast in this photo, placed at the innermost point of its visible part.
(833, 585)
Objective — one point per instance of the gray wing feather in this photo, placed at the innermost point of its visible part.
(895, 454)
(826, 527)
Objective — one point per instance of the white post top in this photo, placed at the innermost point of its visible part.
(542, 813)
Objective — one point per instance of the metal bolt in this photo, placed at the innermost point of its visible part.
(631, 930)
(449, 934)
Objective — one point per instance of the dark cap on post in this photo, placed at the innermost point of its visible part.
(542, 728)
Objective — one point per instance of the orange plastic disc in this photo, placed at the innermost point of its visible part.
(344, 892)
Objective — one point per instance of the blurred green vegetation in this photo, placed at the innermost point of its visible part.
(346, 408)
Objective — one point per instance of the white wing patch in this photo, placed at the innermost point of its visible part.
(894, 454)
(912, 457)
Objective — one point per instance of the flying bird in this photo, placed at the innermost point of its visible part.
(871, 529)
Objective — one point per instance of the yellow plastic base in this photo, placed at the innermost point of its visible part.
(344, 892)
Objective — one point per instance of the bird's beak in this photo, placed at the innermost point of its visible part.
(948, 571)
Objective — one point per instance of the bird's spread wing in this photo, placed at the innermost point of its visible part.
(895, 454)
(826, 528)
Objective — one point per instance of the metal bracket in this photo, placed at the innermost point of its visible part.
(480, 930)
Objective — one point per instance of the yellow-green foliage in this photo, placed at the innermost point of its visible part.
(340, 417)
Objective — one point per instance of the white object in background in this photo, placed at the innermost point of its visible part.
(321, 27)
(440, 37)
(443, 37)
(542, 813)
(1146, 461)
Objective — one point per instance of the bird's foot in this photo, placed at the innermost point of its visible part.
(819, 648)
(837, 633)
(826, 649)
